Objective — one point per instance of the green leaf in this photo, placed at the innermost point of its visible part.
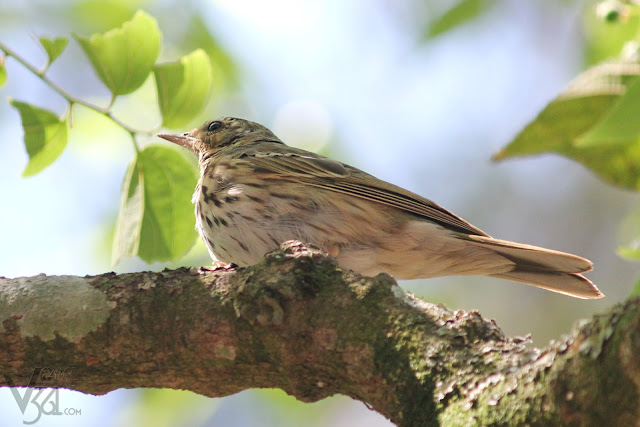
(54, 47)
(102, 15)
(604, 39)
(636, 290)
(583, 104)
(156, 219)
(620, 124)
(183, 88)
(629, 237)
(124, 57)
(463, 12)
(168, 224)
(45, 136)
(3, 72)
(127, 235)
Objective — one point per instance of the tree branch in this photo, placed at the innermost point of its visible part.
(297, 322)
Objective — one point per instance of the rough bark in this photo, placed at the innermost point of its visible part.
(298, 322)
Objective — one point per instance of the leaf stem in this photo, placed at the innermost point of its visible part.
(106, 111)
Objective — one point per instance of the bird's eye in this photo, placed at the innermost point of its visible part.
(213, 126)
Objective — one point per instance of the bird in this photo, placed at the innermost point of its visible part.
(255, 192)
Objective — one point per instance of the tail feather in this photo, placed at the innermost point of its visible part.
(545, 268)
(572, 284)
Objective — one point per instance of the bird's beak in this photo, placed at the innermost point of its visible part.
(182, 139)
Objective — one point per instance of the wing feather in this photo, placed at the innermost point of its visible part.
(332, 175)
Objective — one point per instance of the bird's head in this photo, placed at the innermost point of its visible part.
(217, 134)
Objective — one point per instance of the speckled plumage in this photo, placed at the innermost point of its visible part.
(255, 192)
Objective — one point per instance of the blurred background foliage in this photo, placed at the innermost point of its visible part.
(419, 93)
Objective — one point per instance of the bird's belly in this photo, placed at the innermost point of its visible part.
(241, 228)
(235, 234)
(240, 225)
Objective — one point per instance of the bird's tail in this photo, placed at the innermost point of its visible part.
(544, 268)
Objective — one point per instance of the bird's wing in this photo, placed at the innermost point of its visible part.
(321, 172)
